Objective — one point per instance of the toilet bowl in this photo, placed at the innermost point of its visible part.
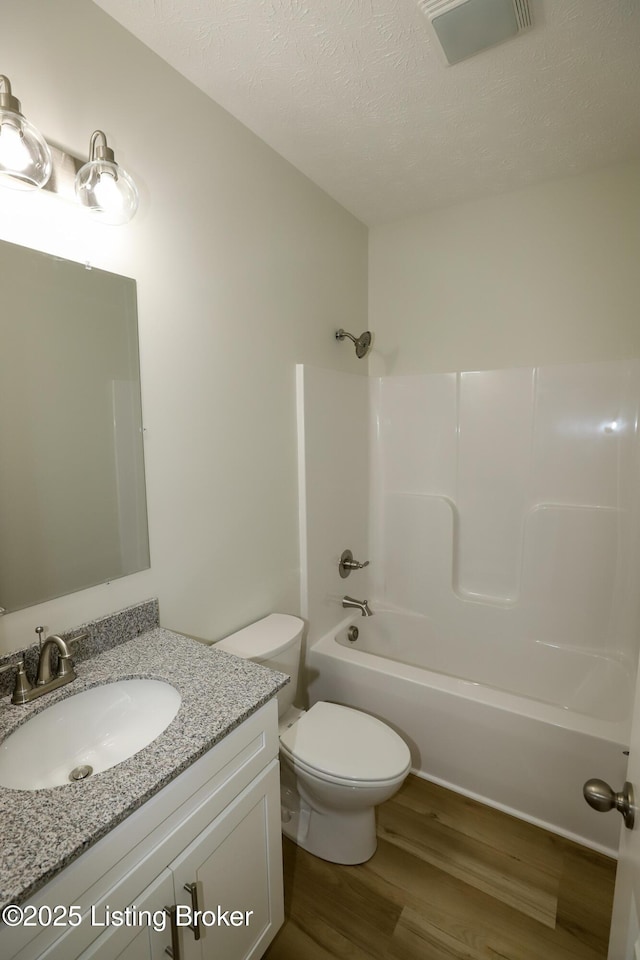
(337, 763)
(345, 763)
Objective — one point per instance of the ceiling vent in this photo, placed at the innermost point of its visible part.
(465, 27)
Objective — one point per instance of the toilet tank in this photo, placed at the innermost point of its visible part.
(274, 642)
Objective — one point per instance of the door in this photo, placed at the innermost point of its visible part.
(230, 878)
(624, 943)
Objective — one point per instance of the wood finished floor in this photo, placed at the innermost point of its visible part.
(451, 879)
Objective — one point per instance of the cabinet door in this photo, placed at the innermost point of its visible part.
(232, 874)
(146, 932)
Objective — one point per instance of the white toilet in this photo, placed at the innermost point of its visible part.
(337, 763)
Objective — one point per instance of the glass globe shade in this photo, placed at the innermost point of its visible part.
(107, 191)
(25, 157)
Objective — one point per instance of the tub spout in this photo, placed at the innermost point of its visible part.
(361, 605)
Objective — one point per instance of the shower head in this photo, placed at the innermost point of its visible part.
(363, 342)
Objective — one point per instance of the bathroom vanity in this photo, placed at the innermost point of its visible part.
(175, 851)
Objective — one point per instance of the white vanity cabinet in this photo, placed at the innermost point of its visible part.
(210, 841)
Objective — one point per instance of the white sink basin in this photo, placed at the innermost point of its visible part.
(95, 729)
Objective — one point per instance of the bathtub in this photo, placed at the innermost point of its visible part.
(519, 732)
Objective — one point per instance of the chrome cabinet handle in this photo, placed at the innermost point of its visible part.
(174, 949)
(192, 888)
(347, 564)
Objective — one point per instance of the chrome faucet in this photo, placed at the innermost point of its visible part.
(66, 672)
(24, 691)
(361, 605)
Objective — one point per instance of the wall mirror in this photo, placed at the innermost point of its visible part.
(72, 493)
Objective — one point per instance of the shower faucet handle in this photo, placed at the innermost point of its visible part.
(347, 564)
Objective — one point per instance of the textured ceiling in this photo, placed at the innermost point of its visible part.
(356, 94)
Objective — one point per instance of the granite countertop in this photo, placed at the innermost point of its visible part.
(42, 831)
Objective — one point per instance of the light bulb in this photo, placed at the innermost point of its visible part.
(13, 152)
(106, 191)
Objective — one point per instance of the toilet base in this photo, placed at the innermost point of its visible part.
(346, 837)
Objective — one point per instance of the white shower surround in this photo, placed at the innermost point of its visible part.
(503, 533)
(504, 503)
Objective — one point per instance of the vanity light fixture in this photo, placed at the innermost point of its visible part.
(27, 161)
(25, 157)
(103, 186)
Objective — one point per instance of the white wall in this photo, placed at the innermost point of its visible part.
(333, 423)
(243, 268)
(549, 274)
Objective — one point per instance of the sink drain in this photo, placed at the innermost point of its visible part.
(81, 773)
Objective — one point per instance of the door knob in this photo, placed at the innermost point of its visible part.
(602, 797)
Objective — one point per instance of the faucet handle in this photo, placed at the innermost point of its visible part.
(12, 666)
(66, 664)
(22, 684)
(347, 564)
(81, 636)
(66, 667)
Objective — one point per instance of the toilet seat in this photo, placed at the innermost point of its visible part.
(345, 746)
(327, 778)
